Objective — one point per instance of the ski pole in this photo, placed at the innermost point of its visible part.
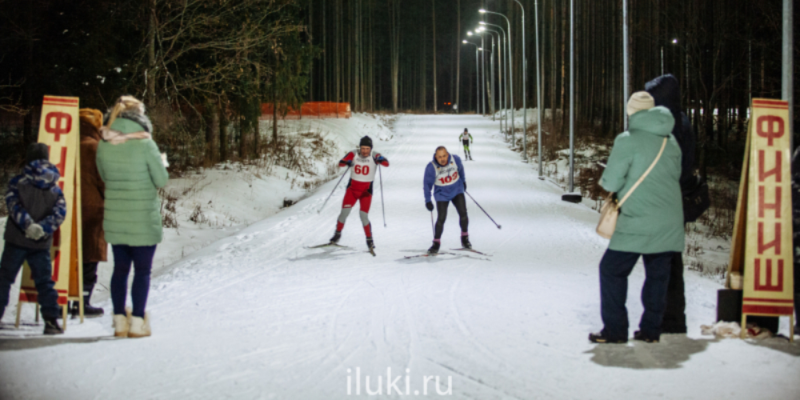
(334, 189)
(432, 226)
(380, 176)
(484, 211)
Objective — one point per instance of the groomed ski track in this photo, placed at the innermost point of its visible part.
(258, 316)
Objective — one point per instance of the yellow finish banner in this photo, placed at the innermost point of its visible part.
(59, 129)
(768, 258)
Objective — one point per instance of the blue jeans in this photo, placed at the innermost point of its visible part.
(142, 259)
(41, 272)
(614, 270)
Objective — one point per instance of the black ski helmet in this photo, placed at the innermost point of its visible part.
(466, 130)
(365, 141)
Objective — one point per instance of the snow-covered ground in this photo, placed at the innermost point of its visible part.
(257, 315)
(211, 204)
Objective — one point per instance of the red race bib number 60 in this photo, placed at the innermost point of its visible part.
(361, 170)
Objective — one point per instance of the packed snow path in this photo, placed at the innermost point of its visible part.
(260, 316)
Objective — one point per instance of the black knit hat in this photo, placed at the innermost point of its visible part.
(466, 130)
(37, 151)
(365, 141)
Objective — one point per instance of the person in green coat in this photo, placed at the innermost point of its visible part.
(133, 170)
(650, 223)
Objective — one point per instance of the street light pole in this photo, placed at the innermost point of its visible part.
(524, 89)
(501, 68)
(538, 91)
(492, 92)
(572, 96)
(625, 57)
(511, 71)
(570, 196)
(483, 76)
(787, 84)
(507, 98)
(477, 75)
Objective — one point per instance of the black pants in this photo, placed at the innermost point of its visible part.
(614, 270)
(675, 312)
(441, 209)
(89, 277)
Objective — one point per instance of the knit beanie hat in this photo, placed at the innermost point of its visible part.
(365, 141)
(37, 151)
(640, 101)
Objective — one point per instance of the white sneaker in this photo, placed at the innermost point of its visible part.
(140, 327)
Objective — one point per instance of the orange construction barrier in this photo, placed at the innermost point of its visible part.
(311, 109)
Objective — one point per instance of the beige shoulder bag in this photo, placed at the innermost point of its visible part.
(610, 211)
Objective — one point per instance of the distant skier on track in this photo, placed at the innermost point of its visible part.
(466, 139)
(364, 164)
(445, 176)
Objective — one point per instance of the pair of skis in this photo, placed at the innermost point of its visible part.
(332, 244)
(452, 254)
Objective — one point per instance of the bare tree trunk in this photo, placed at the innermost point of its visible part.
(151, 55)
(433, 11)
(274, 117)
(458, 55)
(212, 134)
(395, 48)
(224, 154)
(325, 50)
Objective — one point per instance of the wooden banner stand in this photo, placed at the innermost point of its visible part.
(59, 129)
(761, 247)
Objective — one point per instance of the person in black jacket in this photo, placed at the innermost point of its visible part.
(666, 91)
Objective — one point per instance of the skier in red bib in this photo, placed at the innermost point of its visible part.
(364, 164)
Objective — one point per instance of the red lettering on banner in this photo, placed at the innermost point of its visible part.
(56, 127)
(774, 127)
(763, 205)
(767, 285)
(62, 163)
(775, 243)
(763, 175)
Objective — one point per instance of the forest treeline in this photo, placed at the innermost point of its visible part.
(202, 67)
(213, 62)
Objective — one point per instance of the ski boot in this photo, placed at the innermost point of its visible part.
(602, 338)
(89, 311)
(336, 237)
(639, 335)
(435, 248)
(51, 327)
(465, 242)
(370, 244)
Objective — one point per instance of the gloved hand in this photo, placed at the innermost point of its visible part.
(465, 186)
(34, 232)
(164, 160)
(429, 206)
(348, 163)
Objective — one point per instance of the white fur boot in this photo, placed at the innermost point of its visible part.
(122, 323)
(140, 327)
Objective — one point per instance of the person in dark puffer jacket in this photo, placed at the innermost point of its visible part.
(666, 91)
(36, 209)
